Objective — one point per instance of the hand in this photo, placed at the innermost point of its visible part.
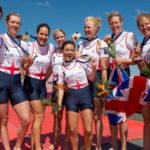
(137, 51)
(24, 37)
(27, 62)
(107, 38)
(117, 61)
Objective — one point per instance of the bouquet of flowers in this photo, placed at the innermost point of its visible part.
(111, 47)
(146, 65)
(55, 108)
(103, 89)
(117, 75)
(52, 101)
(136, 54)
(146, 69)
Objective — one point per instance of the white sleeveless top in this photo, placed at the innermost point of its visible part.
(57, 61)
(74, 74)
(146, 48)
(93, 49)
(42, 59)
(146, 52)
(11, 55)
(125, 44)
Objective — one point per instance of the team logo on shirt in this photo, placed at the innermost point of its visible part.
(35, 56)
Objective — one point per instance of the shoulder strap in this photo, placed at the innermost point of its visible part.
(18, 44)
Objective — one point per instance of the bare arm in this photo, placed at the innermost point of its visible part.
(49, 72)
(60, 94)
(120, 61)
(104, 64)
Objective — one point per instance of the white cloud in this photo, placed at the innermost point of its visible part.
(45, 4)
(138, 11)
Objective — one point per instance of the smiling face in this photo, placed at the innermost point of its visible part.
(69, 52)
(115, 24)
(42, 35)
(90, 29)
(13, 23)
(144, 26)
(59, 38)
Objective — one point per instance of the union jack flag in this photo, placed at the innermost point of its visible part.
(127, 98)
(117, 76)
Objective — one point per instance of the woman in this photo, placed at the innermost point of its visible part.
(13, 51)
(143, 23)
(76, 73)
(124, 44)
(35, 80)
(92, 46)
(57, 61)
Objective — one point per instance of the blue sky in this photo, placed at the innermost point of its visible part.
(69, 14)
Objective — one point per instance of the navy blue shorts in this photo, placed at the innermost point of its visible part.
(35, 88)
(11, 89)
(79, 99)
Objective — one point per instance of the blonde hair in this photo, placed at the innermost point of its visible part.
(12, 14)
(141, 16)
(114, 14)
(59, 30)
(96, 20)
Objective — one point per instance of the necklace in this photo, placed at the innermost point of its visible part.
(41, 50)
(114, 39)
(18, 44)
(144, 41)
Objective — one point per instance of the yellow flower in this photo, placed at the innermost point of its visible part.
(105, 93)
(102, 89)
